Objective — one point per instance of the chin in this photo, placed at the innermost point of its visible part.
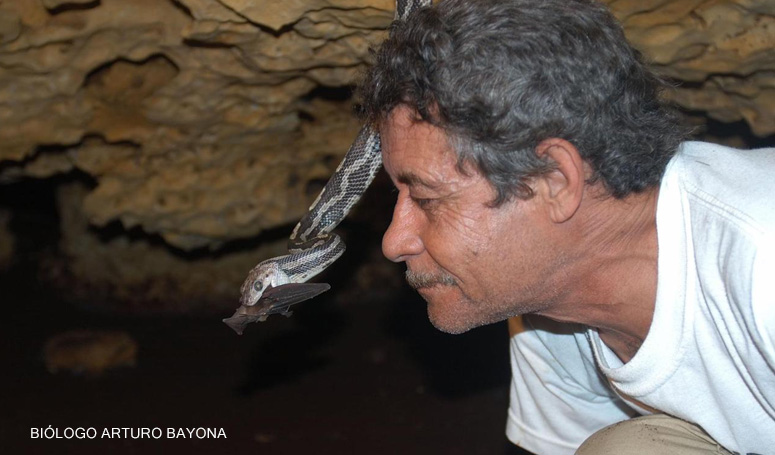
(452, 327)
(455, 315)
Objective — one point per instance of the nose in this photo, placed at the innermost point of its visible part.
(402, 238)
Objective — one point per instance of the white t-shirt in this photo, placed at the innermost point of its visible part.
(709, 357)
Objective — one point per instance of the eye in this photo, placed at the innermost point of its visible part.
(258, 286)
(423, 203)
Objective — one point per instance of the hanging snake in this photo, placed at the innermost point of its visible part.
(277, 283)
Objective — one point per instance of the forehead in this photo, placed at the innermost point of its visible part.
(416, 152)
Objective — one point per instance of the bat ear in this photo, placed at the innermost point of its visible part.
(238, 322)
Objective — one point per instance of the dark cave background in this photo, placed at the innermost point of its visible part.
(339, 376)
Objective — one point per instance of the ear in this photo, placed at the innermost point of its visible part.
(563, 187)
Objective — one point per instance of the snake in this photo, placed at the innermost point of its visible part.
(275, 284)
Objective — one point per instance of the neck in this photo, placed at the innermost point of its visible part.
(612, 269)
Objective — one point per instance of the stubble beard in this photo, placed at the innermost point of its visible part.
(448, 321)
(461, 316)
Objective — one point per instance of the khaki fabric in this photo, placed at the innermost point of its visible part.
(516, 325)
(651, 435)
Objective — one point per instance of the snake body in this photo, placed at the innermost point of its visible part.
(313, 246)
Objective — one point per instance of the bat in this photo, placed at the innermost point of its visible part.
(274, 300)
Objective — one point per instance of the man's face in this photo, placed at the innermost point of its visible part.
(473, 263)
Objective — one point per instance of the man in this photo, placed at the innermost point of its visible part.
(539, 174)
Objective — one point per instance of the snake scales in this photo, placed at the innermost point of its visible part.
(277, 283)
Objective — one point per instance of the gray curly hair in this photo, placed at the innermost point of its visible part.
(500, 76)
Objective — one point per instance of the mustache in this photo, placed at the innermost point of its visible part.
(419, 280)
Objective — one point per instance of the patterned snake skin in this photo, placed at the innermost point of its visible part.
(277, 283)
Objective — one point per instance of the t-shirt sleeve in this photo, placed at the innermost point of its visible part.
(558, 397)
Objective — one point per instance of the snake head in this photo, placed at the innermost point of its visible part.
(264, 275)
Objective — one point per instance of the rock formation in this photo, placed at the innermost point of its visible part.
(721, 54)
(194, 122)
(206, 121)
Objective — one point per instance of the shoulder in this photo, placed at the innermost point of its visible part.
(736, 185)
(723, 201)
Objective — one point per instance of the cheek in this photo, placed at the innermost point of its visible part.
(471, 227)
(457, 245)
(492, 254)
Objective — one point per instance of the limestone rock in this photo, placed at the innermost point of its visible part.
(276, 14)
(721, 53)
(89, 352)
(58, 5)
(187, 116)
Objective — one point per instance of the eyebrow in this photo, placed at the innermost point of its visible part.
(411, 179)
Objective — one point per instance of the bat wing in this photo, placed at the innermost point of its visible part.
(274, 300)
(281, 297)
